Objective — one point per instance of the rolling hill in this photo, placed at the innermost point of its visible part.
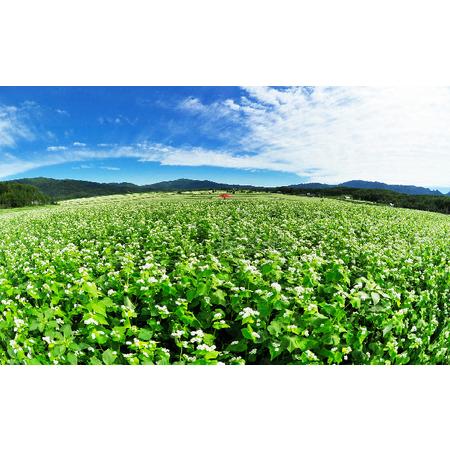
(66, 189)
(14, 195)
(360, 184)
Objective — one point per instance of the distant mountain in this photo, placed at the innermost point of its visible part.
(184, 184)
(360, 184)
(311, 186)
(411, 190)
(66, 189)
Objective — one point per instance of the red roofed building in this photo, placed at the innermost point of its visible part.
(224, 196)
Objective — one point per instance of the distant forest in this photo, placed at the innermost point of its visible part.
(40, 191)
(423, 202)
(14, 195)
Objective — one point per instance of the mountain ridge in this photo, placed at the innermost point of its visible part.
(361, 184)
(60, 189)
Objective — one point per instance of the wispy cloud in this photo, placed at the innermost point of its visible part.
(325, 134)
(109, 168)
(56, 148)
(13, 126)
(62, 112)
(84, 166)
(335, 134)
(117, 120)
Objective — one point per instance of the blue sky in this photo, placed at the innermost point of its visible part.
(260, 135)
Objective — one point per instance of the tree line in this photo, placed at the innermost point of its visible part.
(14, 195)
(432, 203)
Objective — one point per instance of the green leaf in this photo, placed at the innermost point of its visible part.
(375, 297)
(72, 358)
(108, 357)
(202, 288)
(94, 361)
(211, 355)
(293, 343)
(296, 342)
(218, 298)
(145, 334)
(275, 328)
(274, 351)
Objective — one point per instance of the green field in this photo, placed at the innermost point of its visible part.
(191, 279)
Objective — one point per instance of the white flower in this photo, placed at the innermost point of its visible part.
(198, 333)
(255, 335)
(311, 355)
(162, 309)
(206, 348)
(248, 312)
(177, 334)
(91, 321)
(18, 322)
(276, 286)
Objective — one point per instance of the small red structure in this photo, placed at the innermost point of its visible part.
(224, 196)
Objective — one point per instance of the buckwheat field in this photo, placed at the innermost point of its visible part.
(193, 279)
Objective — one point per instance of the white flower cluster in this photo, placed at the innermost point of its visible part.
(248, 312)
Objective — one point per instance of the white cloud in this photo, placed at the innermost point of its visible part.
(212, 111)
(84, 166)
(395, 135)
(12, 126)
(62, 112)
(117, 120)
(109, 168)
(12, 166)
(56, 148)
(192, 104)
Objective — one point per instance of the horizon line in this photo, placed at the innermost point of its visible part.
(431, 188)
